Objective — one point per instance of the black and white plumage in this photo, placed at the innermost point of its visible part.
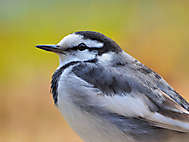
(107, 95)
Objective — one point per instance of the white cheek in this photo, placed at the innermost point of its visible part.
(106, 58)
(74, 40)
(76, 56)
(85, 55)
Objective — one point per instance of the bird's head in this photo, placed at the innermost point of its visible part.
(83, 46)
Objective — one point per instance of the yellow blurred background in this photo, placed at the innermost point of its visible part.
(155, 32)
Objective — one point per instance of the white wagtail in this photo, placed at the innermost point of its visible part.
(106, 95)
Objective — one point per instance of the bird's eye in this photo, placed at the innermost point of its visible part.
(82, 46)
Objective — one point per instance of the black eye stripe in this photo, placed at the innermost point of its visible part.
(81, 47)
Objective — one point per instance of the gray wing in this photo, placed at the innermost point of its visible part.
(137, 79)
(115, 80)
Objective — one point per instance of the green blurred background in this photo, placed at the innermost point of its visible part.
(155, 32)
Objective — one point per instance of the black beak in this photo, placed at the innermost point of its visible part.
(51, 48)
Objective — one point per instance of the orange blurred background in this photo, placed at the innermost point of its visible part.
(155, 32)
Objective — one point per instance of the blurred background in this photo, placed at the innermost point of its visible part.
(155, 32)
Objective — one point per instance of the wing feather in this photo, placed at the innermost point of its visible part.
(134, 93)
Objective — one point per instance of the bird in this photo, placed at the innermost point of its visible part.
(106, 95)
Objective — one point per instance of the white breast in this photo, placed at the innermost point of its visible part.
(91, 128)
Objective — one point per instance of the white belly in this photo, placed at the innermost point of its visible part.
(90, 128)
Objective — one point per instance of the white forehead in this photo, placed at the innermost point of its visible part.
(75, 39)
